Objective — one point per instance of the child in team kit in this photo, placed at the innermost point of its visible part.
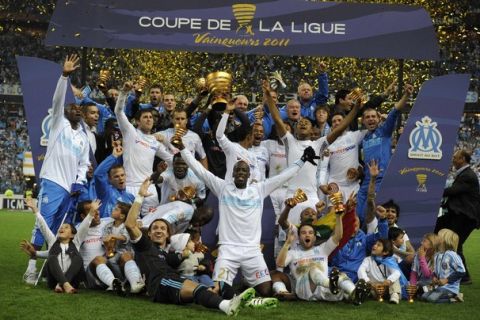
(381, 270)
(423, 263)
(448, 272)
(193, 266)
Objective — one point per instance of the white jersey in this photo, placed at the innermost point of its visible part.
(92, 245)
(240, 210)
(262, 159)
(277, 157)
(191, 141)
(139, 149)
(234, 152)
(301, 261)
(371, 271)
(306, 178)
(171, 185)
(66, 161)
(344, 155)
(177, 213)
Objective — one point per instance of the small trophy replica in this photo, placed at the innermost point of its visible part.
(177, 136)
(298, 196)
(411, 292)
(103, 78)
(357, 95)
(220, 85)
(380, 290)
(187, 193)
(141, 84)
(276, 80)
(337, 201)
(110, 247)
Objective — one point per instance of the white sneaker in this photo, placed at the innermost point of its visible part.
(239, 301)
(394, 298)
(137, 287)
(30, 277)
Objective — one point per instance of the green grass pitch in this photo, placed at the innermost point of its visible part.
(19, 301)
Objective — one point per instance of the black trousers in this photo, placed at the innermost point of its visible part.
(55, 274)
(463, 226)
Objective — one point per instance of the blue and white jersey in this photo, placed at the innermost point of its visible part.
(66, 161)
(447, 263)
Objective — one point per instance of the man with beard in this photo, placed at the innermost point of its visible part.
(132, 105)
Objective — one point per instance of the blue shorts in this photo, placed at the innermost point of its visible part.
(53, 203)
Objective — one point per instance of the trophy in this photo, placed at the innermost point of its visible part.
(298, 196)
(103, 78)
(110, 247)
(187, 193)
(141, 83)
(380, 290)
(276, 80)
(412, 292)
(177, 136)
(357, 95)
(337, 201)
(220, 85)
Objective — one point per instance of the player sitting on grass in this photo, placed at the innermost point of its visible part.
(164, 284)
(309, 266)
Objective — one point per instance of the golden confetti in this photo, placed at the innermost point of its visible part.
(177, 71)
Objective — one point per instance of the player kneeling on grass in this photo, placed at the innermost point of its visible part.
(382, 270)
(309, 266)
(64, 263)
(164, 284)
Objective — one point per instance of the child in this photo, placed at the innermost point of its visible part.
(119, 253)
(192, 266)
(64, 263)
(381, 269)
(423, 263)
(397, 236)
(449, 270)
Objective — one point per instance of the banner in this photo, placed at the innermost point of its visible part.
(418, 170)
(39, 79)
(281, 27)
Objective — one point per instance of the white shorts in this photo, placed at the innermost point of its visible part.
(249, 259)
(303, 291)
(150, 203)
